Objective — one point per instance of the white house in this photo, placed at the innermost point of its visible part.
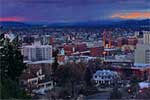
(144, 85)
(105, 77)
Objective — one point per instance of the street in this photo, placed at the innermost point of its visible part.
(99, 96)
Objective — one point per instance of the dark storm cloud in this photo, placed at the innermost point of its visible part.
(69, 10)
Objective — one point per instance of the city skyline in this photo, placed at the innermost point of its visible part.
(72, 10)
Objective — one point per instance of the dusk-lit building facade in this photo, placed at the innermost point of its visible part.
(37, 52)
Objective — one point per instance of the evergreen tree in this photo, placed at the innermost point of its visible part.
(55, 63)
(11, 60)
(11, 67)
(134, 84)
(54, 67)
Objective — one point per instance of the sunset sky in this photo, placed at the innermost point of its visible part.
(72, 10)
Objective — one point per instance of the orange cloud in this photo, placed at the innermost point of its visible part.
(132, 15)
(11, 19)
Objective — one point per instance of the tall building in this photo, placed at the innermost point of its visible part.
(46, 39)
(37, 52)
(142, 51)
(146, 37)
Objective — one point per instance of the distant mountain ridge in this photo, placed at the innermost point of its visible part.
(13, 24)
(113, 23)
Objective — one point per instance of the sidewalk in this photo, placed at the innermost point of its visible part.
(105, 89)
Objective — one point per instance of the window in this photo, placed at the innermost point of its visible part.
(147, 56)
(49, 84)
(34, 81)
(40, 86)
